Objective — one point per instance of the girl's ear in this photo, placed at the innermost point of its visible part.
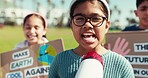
(107, 26)
(45, 31)
(70, 23)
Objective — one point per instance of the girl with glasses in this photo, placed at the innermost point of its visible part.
(90, 21)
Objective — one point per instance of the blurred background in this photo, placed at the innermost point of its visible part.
(56, 12)
(12, 13)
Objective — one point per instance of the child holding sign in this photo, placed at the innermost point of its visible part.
(34, 28)
(90, 21)
(121, 44)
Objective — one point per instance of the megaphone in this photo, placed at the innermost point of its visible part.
(91, 66)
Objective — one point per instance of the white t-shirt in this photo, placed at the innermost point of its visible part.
(24, 44)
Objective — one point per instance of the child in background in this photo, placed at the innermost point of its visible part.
(142, 14)
(90, 21)
(34, 28)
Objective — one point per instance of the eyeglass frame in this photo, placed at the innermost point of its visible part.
(90, 20)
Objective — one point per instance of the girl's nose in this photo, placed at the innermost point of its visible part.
(32, 30)
(88, 24)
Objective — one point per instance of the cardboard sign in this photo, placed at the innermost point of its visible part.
(134, 47)
(30, 62)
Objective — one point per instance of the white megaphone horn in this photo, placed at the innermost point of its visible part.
(91, 66)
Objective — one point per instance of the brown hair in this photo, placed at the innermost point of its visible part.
(139, 2)
(37, 15)
(78, 2)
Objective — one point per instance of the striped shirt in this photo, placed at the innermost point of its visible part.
(66, 64)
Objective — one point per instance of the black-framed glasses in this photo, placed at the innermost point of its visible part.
(80, 20)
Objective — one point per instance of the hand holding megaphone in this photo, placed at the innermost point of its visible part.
(91, 66)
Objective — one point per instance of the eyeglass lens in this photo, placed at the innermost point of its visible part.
(80, 20)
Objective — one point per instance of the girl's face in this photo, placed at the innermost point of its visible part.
(87, 36)
(34, 30)
(142, 13)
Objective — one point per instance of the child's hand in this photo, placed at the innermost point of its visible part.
(120, 46)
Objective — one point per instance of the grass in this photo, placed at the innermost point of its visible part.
(10, 36)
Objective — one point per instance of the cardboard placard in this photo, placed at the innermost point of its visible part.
(137, 42)
(30, 62)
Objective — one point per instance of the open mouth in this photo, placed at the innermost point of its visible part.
(89, 37)
(31, 36)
